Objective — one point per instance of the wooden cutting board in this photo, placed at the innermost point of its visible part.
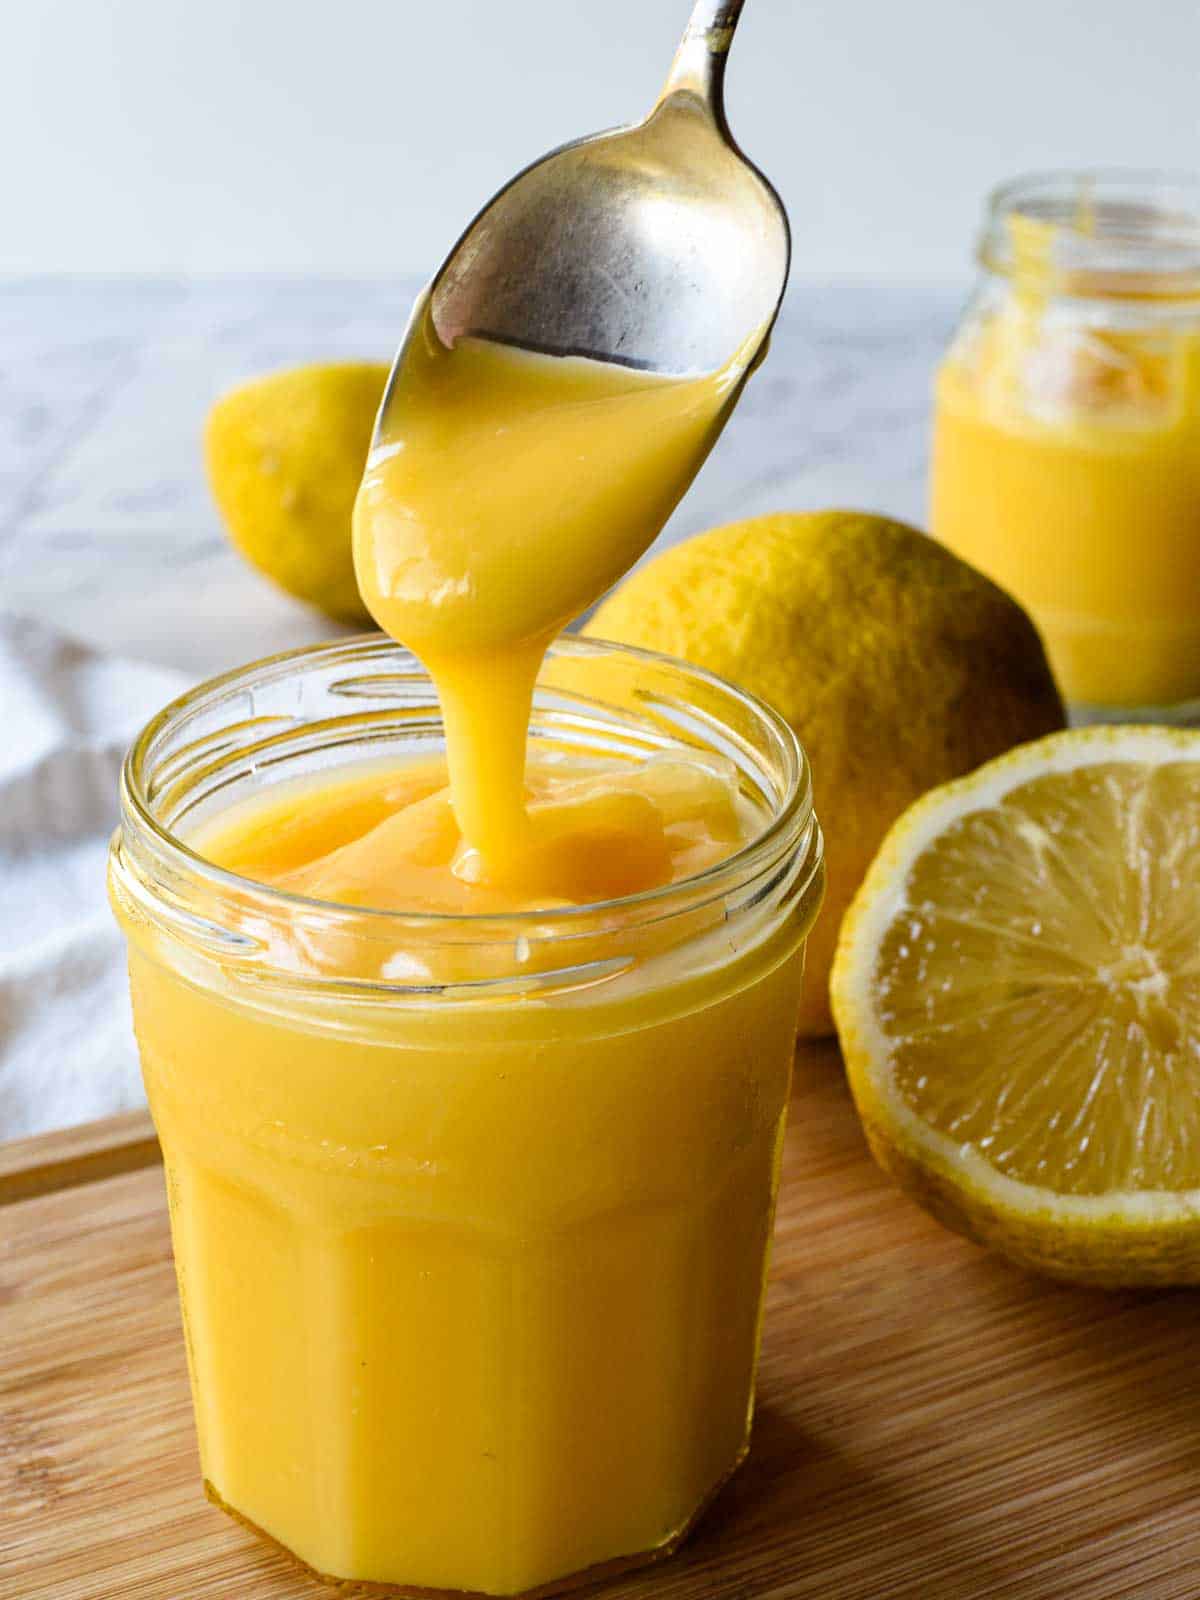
(932, 1424)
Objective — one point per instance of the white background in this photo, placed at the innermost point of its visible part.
(356, 136)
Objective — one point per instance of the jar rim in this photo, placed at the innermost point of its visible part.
(1113, 226)
(789, 821)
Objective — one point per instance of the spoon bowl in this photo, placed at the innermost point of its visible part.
(658, 246)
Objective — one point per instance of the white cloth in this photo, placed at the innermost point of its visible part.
(67, 715)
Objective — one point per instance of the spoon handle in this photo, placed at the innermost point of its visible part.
(699, 65)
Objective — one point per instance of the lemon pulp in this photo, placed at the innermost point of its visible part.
(1018, 987)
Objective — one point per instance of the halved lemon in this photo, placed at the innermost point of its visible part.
(1017, 991)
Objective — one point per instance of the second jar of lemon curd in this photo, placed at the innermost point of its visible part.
(1066, 452)
(470, 1213)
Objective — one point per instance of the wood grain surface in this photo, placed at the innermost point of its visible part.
(77, 1155)
(932, 1424)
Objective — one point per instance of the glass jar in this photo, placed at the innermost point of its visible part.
(1066, 448)
(471, 1269)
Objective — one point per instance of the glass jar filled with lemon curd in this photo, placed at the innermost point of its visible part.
(1066, 451)
(471, 1212)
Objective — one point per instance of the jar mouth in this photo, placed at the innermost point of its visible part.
(239, 717)
(1125, 233)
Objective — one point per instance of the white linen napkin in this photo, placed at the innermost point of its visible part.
(67, 715)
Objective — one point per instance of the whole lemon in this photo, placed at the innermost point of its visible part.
(898, 665)
(285, 454)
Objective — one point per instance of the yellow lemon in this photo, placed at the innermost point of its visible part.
(898, 665)
(285, 454)
(1017, 991)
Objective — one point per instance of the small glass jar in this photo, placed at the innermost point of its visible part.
(1066, 448)
(471, 1266)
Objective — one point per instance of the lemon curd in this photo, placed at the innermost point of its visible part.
(507, 491)
(468, 1037)
(1066, 452)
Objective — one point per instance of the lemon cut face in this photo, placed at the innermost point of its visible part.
(1017, 988)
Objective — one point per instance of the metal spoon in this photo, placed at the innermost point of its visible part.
(657, 246)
